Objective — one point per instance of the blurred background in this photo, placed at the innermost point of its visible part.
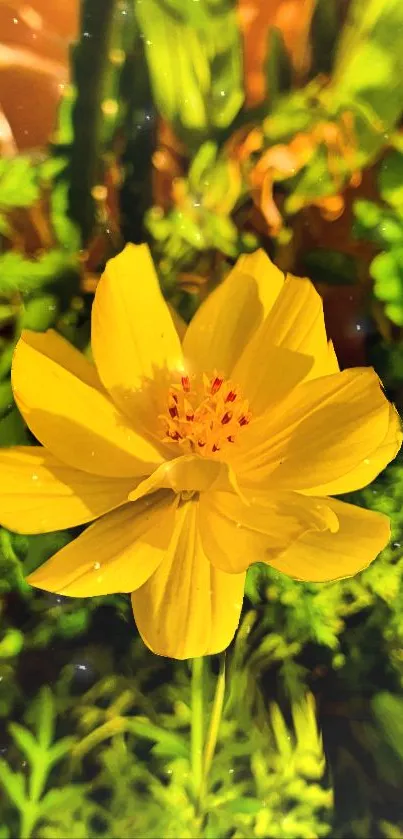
(207, 128)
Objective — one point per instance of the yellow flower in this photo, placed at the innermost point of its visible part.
(196, 455)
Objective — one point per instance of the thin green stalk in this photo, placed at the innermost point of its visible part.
(214, 726)
(197, 724)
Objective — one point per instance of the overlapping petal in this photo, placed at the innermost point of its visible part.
(188, 474)
(115, 554)
(296, 321)
(320, 433)
(371, 466)
(77, 422)
(55, 347)
(40, 493)
(266, 374)
(228, 319)
(235, 534)
(319, 557)
(187, 608)
(134, 340)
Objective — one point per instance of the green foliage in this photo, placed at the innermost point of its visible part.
(41, 752)
(137, 742)
(375, 96)
(343, 122)
(382, 225)
(202, 89)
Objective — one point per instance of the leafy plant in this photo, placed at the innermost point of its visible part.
(42, 752)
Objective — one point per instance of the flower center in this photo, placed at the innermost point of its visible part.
(205, 414)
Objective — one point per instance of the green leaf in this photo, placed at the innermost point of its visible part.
(65, 798)
(367, 213)
(387, 271)
(73, 623)
(391, 230)
(50, 168)
(29, 275)
(167, 743)
(39, 313)
(246, 806)
(45, 717)
(203, 160)
(67, 233)
(12, 643)
(14, 785)
(18, 182)
(388, 710)
(375, 98)
(25, 741)
(390, 179)
(13, 431)
(394, 311)
(6, 398)
(60, 749)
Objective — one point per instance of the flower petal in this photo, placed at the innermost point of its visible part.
(115, 554)
(235, 535)
(322, 431)
(371, 466)
(76, 422)
(188, 608)
(41, 494)
(188, 474)
(319, 557)
(134, 340)
(178, 322)
(55, 347)
(266, 373)
(228, 318)
(325, 365)
(296, 321)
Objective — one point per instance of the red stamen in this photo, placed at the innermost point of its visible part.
(173, 411)
(190, 416)
(243, 420)
(215, 385)
(185, 383)
(174, 435)
(226, 418)
(231, 396)
(215, 448)
(231, 438)
(201, 443)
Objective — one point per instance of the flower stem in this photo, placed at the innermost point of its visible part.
(197, 724)
(212, 734)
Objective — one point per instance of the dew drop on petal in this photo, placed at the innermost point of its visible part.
(35, 477)
(97, 566)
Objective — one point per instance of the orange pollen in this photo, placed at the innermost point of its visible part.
(198, 415)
